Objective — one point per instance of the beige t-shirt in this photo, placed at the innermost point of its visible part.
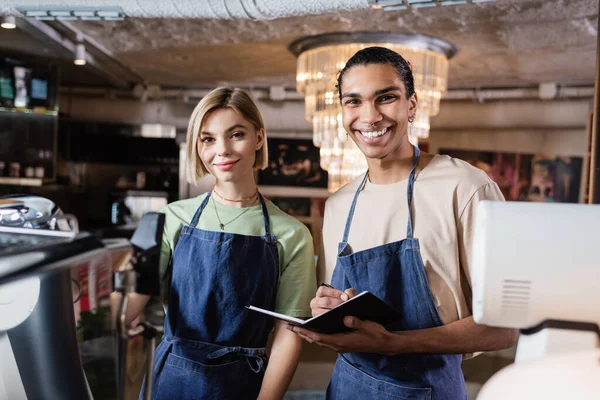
(446, 194)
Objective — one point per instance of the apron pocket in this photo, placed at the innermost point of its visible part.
(200, 368)
(354, 383)
(185, 379)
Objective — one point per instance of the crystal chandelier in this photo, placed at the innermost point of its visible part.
(321, 57)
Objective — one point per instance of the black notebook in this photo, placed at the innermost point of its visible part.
(365, 306)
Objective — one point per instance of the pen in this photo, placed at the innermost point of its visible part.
(326, 285)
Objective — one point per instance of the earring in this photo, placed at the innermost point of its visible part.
(346, 136)
(411, 119)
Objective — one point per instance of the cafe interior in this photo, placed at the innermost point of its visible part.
(95, 99)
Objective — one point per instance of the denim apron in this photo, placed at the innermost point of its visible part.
(212, 347)
(395, 273)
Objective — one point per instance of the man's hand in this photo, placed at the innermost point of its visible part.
(328, 298)
(366, 337)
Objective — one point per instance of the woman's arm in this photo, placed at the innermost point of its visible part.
(285, 353)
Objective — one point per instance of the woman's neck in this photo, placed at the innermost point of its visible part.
(230, 193)
(395, 167)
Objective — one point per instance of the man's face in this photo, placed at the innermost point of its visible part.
(375, 108)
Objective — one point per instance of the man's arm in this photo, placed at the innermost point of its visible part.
(460, 337)
(285, 353)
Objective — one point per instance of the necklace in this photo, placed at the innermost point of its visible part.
(221, 224)
(235, 201)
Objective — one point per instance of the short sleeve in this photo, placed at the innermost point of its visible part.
(489, 191)
(466, 228)
(327, 255)
(297, 283)
(164, 270)
(166, 253)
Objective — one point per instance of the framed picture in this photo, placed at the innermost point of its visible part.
(293, 162)
(528, 177)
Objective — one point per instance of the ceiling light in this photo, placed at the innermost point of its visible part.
(394, 5)
(319, 60)
(423, 4)
(79, 54)
(453, 2)
(88, 13)
(9, 22)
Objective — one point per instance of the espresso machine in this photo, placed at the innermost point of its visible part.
(40, 247)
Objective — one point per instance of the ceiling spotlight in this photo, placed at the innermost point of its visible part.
(79, 54)
(9, 22)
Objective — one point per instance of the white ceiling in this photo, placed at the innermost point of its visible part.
(505, 43)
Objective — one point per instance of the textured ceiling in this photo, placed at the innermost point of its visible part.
(502, 43)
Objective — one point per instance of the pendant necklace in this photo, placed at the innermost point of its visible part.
(221, 224)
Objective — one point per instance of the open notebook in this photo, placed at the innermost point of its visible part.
(365, 306)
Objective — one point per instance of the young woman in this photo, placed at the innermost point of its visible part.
(223, 251)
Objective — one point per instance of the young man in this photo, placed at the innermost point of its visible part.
(406, 229)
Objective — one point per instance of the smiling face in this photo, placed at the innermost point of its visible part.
(375, 109)
(227, 145)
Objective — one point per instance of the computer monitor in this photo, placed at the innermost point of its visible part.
(533, 262)
(536, 267)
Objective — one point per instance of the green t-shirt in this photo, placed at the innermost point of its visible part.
(297, 280)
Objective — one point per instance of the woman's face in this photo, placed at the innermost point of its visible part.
(227, 145)
(375, 108)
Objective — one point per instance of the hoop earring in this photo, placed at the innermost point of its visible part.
(411, 119)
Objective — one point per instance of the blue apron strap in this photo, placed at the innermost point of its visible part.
(199, 210)
(265, 215)
(351, 213)
(409, 191)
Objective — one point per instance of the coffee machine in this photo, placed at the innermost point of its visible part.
(40, 247)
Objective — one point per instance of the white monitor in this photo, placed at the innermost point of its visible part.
(536, 261)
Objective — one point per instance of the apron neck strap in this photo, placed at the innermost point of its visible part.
(200, 209)
(353, 206)
(265, 214)
(409, 196)
(409, 191)
(262, 204)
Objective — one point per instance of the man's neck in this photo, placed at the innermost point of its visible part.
(393, 168)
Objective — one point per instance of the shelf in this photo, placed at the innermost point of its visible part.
(21, 181)
(30, 111)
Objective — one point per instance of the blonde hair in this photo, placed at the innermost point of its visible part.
(238, 100)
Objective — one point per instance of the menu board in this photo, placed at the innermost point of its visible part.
(28, 86)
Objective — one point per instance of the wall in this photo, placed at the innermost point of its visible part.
(278, 116)
(529, 126)
(525, 126)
